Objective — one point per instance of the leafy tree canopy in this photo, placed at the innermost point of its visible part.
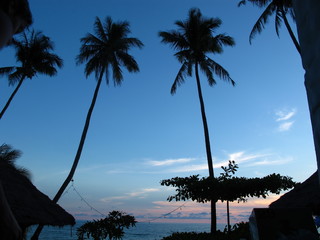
(226, 189)
(111, 227)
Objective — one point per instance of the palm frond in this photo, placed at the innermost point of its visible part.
(4, 71)
(99, 31)
(132, 42)
(242, 2)
(219, 71)
(278, 21)
(207, 71)
(116, 71)
(184, 55)
(180, 77)
(127, 61)
(16, 76)
(216, 44)
(263, 19)
(175, 39)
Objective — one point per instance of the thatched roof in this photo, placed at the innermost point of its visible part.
(304, 195)
(28, 204)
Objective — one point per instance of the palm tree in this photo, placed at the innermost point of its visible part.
(33, 52)
(193, 40)
(103, 51)
(278, 7)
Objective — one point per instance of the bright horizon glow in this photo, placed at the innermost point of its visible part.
(139, 133)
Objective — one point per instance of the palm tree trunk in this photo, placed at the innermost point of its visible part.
(78, 154)
(293, 37)
(208, 149)
(228, 217)
(12, 96)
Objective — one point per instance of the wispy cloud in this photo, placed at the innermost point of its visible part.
(169, 162)
(279, 161)
(190, 168)
(257, 159)
(143, 193)
(286, 126)
(242, 156)
(284, 115)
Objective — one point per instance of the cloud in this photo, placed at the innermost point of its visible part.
(286, 126)
(169, 162)
(265, 162)
(241, 156)
(190, 168)
(284, 115)
(139, 194)
(256, 159)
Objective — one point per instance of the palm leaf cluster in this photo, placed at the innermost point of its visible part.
(33, 52)
(108, 49)
(280, 9)
(34, 55)
(194, 40)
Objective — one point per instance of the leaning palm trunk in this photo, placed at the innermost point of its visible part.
(307, 17)
(12, 96)
(208, 149)
(78, 155)
(293, 37)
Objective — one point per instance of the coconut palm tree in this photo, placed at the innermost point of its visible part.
(104, 51)
(278, 7)
(194, 40)
(33, 52)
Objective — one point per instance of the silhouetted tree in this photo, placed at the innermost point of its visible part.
(226, 188)
(105, 50)
(111, 227)
(194, 40)
(278, 7)
(33, 52)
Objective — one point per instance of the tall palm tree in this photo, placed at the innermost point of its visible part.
(278, 7)
(104, 51)
(34, 54)
(194, 40)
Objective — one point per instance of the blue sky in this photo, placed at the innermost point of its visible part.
(139, 133)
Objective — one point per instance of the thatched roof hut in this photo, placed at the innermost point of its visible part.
(304, 195)
(28, 204)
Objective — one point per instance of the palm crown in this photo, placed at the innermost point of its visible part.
(34, 54)
(108, 48)
(194, 40)
(278, 7)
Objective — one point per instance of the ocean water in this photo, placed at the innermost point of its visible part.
(142, 231)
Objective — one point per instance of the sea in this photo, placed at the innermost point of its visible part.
(142, 230)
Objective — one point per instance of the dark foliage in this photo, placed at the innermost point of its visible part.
(111, 227)
(239, 230)
(226, 189)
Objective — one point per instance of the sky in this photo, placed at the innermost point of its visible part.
(140, 134)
